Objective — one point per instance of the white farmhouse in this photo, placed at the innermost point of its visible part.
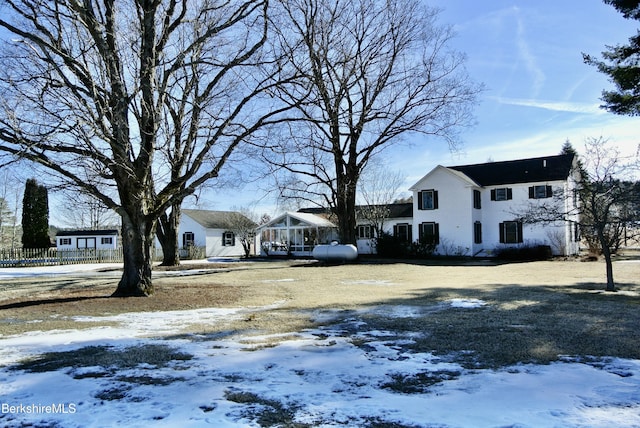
(472, 209)
(211, 230)
(87, 239)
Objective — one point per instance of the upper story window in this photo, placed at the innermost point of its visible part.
(540, 192)
(106, 240)
(501, 194)
(65, 241)
(477, 199)
(428, 200)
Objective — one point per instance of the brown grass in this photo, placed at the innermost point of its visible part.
(535, 311)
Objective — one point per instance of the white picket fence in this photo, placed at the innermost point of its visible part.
(52, 256)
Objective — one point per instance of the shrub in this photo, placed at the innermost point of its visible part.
(392, 247)
(526, 252)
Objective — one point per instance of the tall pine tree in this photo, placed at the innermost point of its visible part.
(35, 216)
(620, 63)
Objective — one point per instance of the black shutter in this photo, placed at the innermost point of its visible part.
(520, 232)
(419, 203)
(233, 239)
(435, 199)
(223, 239)
(501, 233)
(549, 191)
(395, 229)
(531, 192)
(409, 233)
(436, 232)
(509, 193)
(493, 194)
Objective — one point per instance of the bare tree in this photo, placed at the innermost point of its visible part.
(11, 189)
(369, 73)
(378, 188)
(83, 211)
(240, 222)
(94, 91)
(603, 203)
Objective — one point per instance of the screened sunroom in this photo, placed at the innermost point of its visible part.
(295, 234)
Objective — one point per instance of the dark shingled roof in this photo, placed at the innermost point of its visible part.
(211, 219)
(395, 210)
(548, 168)
(102, 232)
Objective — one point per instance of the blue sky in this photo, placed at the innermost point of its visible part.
(538, 92)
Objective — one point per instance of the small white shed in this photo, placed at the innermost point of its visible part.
(87, 239)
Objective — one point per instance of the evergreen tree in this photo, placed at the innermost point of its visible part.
(620, 63)
(35, 215)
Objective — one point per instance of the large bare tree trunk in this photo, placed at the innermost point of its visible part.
(137, 237)
(167, 232)
(346, 210)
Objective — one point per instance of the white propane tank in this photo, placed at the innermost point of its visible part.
(335, 253)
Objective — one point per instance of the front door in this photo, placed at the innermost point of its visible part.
(86, 243)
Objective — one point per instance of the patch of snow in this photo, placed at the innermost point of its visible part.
(18, 272)
(369, 282)
(321, 376)
(467, 303)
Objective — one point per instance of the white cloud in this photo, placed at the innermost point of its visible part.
(564, 106)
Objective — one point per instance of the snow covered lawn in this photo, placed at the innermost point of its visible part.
(344, 374)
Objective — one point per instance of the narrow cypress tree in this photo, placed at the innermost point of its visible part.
(35, 215)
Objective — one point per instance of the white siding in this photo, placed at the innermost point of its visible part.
(87, 241)
(456, 214)
(211, 239)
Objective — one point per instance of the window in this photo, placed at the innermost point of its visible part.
(429, 233)
(477, 232)
(402, 232)
(428, 200)
(540, 192)
(511, 232)
(228, 239)
(501, 194)
(188, 239)
(477, 199)
(364, 231)
(106, 240)
(65, 241)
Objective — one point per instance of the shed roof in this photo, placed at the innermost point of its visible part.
(102, 232)
(541, 169)
(213, 219)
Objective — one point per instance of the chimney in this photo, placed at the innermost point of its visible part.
(544, 163)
